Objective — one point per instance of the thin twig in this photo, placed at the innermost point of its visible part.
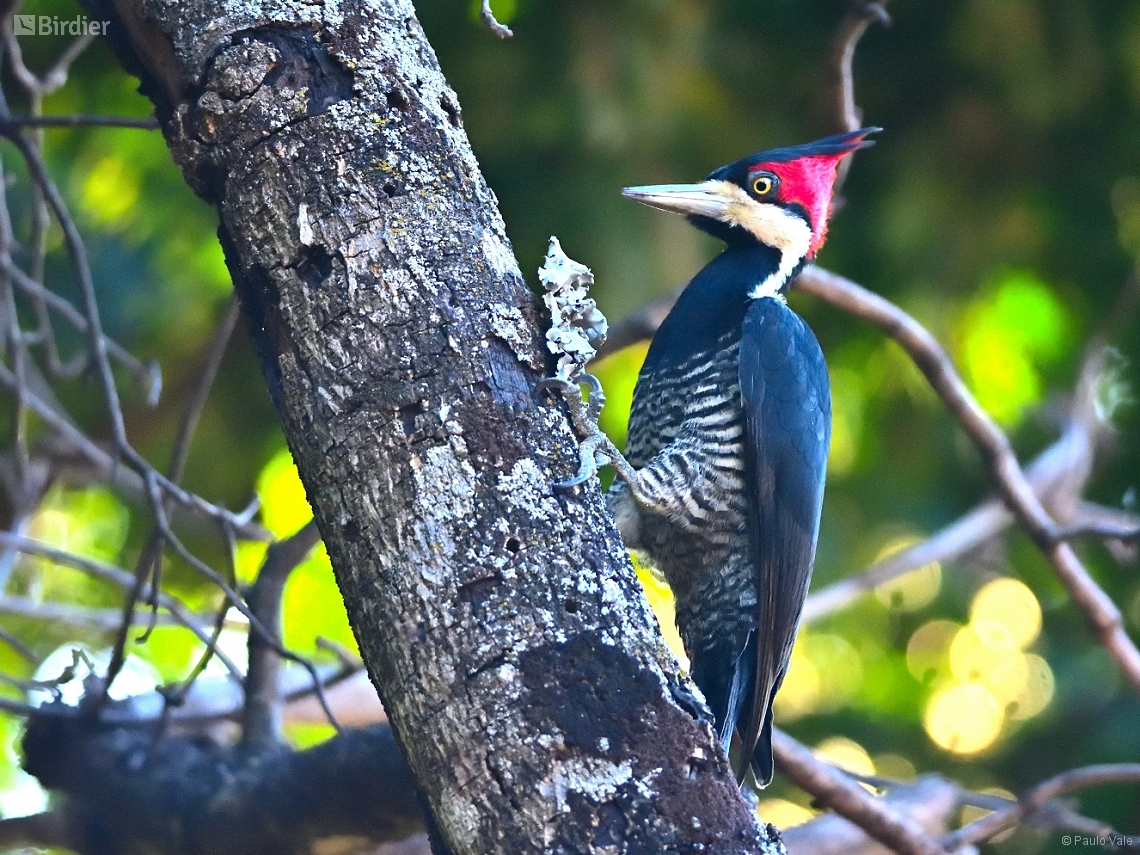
(151, 558)
(70, 614)
(503, 32)
(1100, 529)
(103, 461)
(56, 76)
(994, 445)
(255, 625)
(19, 646)
(261, 718)
(77, 252)
(147, 374)
(148, 123)
(1063, 467)
(1036, 798)
(117, 576)
(931, 801)
(964, 535)
(842, 795)
(846, 114)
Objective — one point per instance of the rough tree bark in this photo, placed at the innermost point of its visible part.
(521, 669)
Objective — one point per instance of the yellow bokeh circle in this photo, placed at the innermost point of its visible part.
(927, 648)
(1036, 692)
(913, 590)
(964, 719)
(783, 813)
(846, 754)
(978, 648)
(1010, 603)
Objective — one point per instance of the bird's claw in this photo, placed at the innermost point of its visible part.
(588, 454)
(596, 449)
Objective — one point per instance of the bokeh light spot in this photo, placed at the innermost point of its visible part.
(1037, 691)
(927, 649)
(970, 813)
(978, 648)
(911, 591)
(847, 403)
(1010, 603)
(111, 189)
(839, 667)
(846, 754)
(783, 813)
(895, 766)
(963, 719)
(1006, 335)
(799, 694)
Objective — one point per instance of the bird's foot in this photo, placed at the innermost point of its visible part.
(596, 449)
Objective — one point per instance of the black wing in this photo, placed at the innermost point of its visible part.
(787, 413)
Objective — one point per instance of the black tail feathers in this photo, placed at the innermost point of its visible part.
(763, 765)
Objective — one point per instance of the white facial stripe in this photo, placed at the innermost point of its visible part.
(771, 225)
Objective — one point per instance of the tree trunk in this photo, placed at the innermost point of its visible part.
(506, 632)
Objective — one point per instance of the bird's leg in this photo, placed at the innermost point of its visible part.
(596, 449)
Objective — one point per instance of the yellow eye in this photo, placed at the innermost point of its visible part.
(763, 185)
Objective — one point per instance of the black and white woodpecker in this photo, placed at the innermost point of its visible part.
(729, 433)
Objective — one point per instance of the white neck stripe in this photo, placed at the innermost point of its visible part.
(773, 226)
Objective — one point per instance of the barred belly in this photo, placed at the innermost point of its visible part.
(685, 438)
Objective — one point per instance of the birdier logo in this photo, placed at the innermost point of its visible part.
(53, 25)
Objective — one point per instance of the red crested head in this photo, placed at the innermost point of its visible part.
(806, 182)
(799, 178)
(779, 198)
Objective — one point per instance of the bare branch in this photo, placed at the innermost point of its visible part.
(1106, 529)
(1038, 797)
(503, 32)
(147, 123)
(18, 645)
(119, 577)
(73, 615)
(49, 830)
(935, 364)
(932, 801)
(56, 76)
(261, 722)
(1064, 467)
(196, 402)
(99, 458)
(146, 374)
(836, 791)
(847, 116)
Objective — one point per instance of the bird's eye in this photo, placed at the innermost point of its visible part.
(764, 185)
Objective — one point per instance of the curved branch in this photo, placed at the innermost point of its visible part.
(994, 445)
(834, 790)
(1036, 799)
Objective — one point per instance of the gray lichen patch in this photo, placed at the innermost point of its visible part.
(527, 489)
(444, 497)
(510, 327)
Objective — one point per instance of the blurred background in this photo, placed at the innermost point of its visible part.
(1000, 206)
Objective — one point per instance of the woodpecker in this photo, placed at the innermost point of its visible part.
(729, 433)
